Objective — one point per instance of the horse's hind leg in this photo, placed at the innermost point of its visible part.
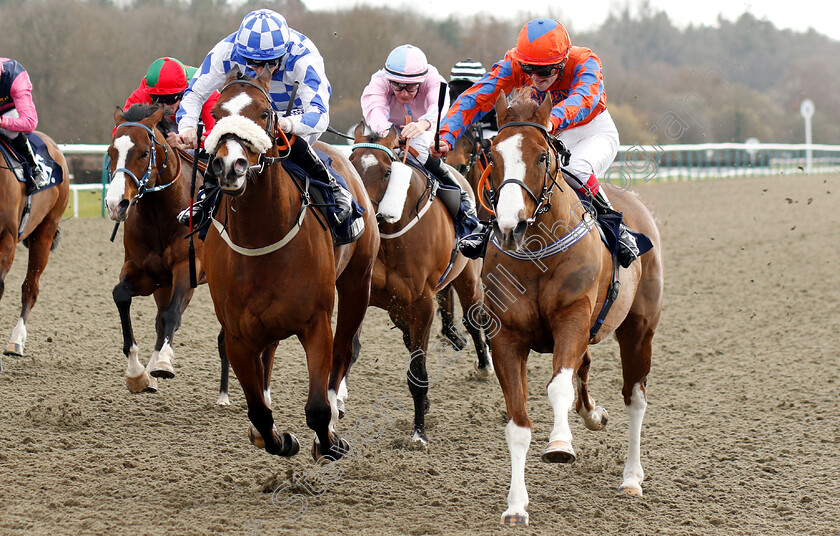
(224, 399)
(8, 244)
(248, 365)
(446, 308)
(353, 299)
(468, 286)
(40, 242)
(136, 378)
(635, 338)
(594, 417)
(171, 306)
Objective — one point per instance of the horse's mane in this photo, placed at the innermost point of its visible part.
(138, 112)
(522, 106)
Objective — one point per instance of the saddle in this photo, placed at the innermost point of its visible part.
(21, 168)
(321, 197)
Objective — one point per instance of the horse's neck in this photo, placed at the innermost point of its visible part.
(565, 213)
(416, 196)
(168, 157)
(270, 203)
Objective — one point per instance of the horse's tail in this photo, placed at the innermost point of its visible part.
(56, 239)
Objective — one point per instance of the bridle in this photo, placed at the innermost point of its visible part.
(561, 156)
(141, 182)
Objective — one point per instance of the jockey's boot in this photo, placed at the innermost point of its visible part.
(203, 203)
(474, 244)
(21, 145)
(301, 153)
(628, 251)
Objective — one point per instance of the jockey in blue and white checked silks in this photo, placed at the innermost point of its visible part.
(264, 35)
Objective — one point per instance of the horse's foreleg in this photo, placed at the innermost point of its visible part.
(570, 340)
(468, 286)
(446, 308)
(223, 399)
(420, 325)
(510, 358)
(594, 417)
(248, 366)
(136, 377)
(321, 406)
(635, 338)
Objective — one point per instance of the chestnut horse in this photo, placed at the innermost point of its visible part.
(150, 184)
(549, 274)
(417, 243)
(273, 271)
(39, 232)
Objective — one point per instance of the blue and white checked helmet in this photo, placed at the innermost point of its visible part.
(262, 35)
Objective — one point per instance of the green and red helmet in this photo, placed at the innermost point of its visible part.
(166, 76)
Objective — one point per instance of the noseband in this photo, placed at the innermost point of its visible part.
(544, 200)
(141, 182)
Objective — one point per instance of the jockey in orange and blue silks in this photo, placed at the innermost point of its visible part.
(545, 60)
(18, 115)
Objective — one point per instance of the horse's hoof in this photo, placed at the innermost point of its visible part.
(289, 445)
(630, 491)
(485, 372)
(14, 349)
(223, 399)
(141, 384)
(558, 452)
(597, 419)
(420, 437)
(336, 453)
(163, 369)
(515, 520)
(255, 437)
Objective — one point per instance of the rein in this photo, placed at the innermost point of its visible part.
(141, 183)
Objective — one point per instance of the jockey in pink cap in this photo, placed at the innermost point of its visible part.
(408, 87)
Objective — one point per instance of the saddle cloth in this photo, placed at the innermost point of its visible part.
(22, 169)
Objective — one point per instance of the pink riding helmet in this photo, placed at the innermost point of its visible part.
(406, 64)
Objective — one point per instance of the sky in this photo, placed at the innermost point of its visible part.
(797, 15)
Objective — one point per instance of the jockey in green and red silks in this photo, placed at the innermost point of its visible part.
(18, 115)
(545, 60)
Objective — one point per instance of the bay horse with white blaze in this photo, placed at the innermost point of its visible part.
(416, 250)
(555, 272)
(39, 232)
(273, 271)
(150, 184)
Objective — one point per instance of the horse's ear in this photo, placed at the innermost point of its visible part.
(359, 132)
(501, 108)
(118, 115)
(391, 137)
(234, 74)
(265, 78)
(544, 111)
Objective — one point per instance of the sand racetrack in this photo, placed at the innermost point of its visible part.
(741, 436)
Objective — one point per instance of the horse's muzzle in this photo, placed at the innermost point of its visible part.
(512, 239)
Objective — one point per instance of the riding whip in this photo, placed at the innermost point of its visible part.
(193, 277)
(441, 99)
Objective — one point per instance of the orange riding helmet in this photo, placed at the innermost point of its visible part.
(542, 42)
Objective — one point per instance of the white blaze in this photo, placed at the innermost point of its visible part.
(511, 201)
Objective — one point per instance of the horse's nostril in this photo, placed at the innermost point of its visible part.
(218, 167)
(520, 229)
(123, 206)
(240, 166)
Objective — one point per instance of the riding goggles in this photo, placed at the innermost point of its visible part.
(167, 99)
(410, 88)
(253, 64)
(541, 70)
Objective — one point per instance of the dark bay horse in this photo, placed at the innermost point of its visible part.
(550, 289)
(150, 184)
(417, 241)
(273, 271)
(39, 233)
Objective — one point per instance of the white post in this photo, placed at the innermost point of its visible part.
(807, 111)
(76, 203)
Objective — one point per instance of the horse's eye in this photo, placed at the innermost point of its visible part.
(265, 114)
(543, 158)
(145, 154)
